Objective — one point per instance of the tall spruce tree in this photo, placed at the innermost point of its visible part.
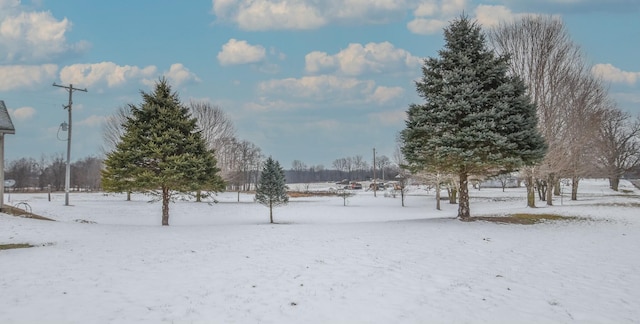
(476, 118)
(272, 188)
(161, 151)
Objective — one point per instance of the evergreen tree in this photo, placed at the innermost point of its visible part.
(476, 117)
(161, 150)
(272, 188)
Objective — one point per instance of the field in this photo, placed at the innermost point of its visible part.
(105, 259)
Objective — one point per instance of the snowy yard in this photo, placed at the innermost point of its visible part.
(369, 262)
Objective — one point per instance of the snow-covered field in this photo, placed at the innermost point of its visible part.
(372, 261)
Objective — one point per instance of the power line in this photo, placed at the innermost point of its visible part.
(67, 178)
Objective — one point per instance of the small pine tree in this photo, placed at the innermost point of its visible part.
(272, 188)
(476, 117)
(161, 149)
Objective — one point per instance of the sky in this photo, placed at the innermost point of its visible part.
(304, 80)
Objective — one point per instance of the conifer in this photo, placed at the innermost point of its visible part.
(161, 151)
(272, 188)
(476, 118)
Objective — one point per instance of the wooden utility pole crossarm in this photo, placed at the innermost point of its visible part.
(67, 178)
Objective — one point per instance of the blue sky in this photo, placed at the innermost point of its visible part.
(312, 80)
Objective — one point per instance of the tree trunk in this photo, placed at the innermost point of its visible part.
(128, 195)
(453, 196)
(550, 182)
(199, 196)
(556, 188)
(614, 182)
(542, 189)
(464, 213)
(271, 211)
(438, 195)
(165, 206)
(574, 188)
(402, 195)
(531, 192)
(238, 194)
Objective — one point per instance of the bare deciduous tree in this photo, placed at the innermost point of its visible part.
(340, 165)
(618, 145)
(113, 129)
(54, 173)
(24, 172)
(249, 163)
(552, 66)
(300, 169)
(382, 162)
(404, 175)
(214, 124)
(85, 173)
(216, 129)
(360, 165)
(582, 117)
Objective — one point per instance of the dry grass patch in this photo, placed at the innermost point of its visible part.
(14, 246)
(15, 211)
(524, 219)
(302, 194)
(619, 204)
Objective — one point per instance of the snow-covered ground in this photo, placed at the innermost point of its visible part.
(373, 261)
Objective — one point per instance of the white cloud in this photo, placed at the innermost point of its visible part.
(317, 61)
(610, 73)
(453, 7)
(240, 52)
(178, 74)
(265, 104)
(305, 14)
(426, 8)
(431, 16)
(33, 36)
(265, 15)
(324, 88)
(223, 7)
(384, 94)
(357, 59)
(576, 6)
(423, 26)
(274, 52)
(366, 11)
(109, 73)
(9, 4)
(23, 113)
(489, 16)
(26, 76)
(320, 88)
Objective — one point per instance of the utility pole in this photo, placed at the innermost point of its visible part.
(375, 186)
(67, 178)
